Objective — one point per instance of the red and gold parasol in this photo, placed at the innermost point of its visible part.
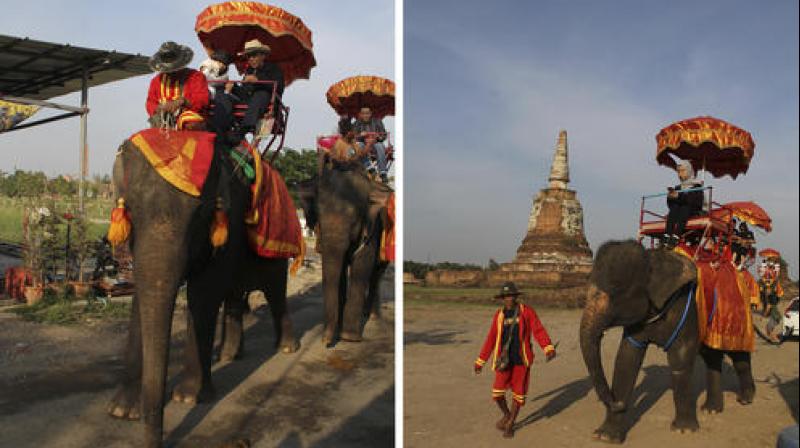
(349, 95)
(747, 211)
(227, 26)
(708, 143)
(769, 253)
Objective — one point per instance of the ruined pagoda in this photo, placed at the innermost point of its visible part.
(554, 253)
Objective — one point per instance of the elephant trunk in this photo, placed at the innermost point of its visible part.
(595, 320)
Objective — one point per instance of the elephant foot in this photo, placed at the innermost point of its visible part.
(609, 435)
(745, 397)
(329, 337)
(189, 392)
(230, 354)
(712, 407)
(126, 403)
(290, 346)
(350, 336)
(684, 426)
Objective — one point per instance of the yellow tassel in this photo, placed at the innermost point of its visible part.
(298, 260)
(120, 228)
(252, 216)
(219, 227)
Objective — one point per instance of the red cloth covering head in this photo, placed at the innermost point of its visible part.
(182, 158)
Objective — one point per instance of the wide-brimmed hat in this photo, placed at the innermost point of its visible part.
(171, 57)
(255, 46)
(508, 289)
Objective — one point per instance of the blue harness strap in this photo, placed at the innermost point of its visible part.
(643, 344)
(638, 344)
(682, 321)
(713, 308)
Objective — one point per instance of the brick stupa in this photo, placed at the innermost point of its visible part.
(554, 253)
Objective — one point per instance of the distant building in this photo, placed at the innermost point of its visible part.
(554, 253)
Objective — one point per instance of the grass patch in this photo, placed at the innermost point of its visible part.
(11, 216)
(59, 310)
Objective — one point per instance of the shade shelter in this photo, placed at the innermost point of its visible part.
(32, 72)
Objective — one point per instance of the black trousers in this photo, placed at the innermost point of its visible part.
(676, 219)
(222, 121)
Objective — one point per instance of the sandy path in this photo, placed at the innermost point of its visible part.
(447, 406)
(56, 381)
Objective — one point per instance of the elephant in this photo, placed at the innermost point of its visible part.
(170, 244)
(648, 292)
(349, 208)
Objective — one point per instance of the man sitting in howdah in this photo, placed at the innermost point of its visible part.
(178, 95)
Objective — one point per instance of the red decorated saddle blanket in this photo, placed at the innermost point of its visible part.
(387, 238)
(182, 158)
(277, 232)
(722, 309)
(723, 299)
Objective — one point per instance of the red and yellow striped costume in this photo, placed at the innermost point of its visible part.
(516, 377)
(187, 83)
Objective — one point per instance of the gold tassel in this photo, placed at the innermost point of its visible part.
(252, 216)
(298, 260)
(219, 226)
(120, 228)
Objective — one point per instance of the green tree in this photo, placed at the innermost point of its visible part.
(296, 166)
(418, 270)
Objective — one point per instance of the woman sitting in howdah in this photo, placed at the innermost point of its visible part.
(684, 201)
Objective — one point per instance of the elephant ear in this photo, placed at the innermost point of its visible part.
(668, 272)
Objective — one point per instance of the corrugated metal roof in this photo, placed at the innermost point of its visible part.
(43, 70)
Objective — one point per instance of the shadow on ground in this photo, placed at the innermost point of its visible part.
(433, 338)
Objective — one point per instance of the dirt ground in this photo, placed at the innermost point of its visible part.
(55, 383)
(446, 405)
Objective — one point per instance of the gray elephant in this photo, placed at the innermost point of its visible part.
(350, 208)
(170, 245)
(653, 295)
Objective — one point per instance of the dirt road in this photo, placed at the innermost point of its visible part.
(56, 381)
(446, 405)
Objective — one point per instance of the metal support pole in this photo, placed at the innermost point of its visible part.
(84, 152)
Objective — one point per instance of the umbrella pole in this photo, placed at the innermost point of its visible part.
(704, 170)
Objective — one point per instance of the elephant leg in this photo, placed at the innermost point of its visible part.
(203, 295)
(626, 369)
(354, 308)
(233, 327)
(160, 256)
(681, 358)
(744, 370)
(713, 361)
(126, 402)
(373, 307)
(274, 286)
(333, 281)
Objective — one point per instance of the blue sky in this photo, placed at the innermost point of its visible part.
(489, 85)
(117, 109)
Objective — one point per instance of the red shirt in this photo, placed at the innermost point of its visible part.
(188, 83)
(529, 325)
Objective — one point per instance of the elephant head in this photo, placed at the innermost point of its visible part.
(625, 283)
